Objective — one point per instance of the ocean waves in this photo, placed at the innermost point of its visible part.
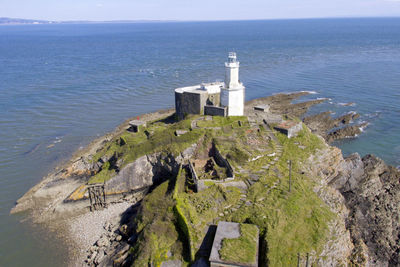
(63, 85)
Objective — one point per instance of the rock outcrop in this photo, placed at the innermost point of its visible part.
(345, 132)
(324, 124)
(323, 166)
(364, 193)
(372, 195)
(333, 129)
(146, 171)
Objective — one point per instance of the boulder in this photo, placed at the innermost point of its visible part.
(372, 195)
(103, 241)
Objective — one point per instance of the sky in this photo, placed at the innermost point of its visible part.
(100, 10)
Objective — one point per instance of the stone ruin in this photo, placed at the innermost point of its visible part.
(209, 166)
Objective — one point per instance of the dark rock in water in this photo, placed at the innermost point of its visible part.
(345, 132)
(323, 123)
(372, 193)
(32, 150)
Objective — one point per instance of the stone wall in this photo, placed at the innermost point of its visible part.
(190, 103)
(215, 111)
(220, 160)
(194, 175)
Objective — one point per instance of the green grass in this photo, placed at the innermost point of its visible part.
(161, 139)
(295, 222)
(242, 249)
(209, 183)
(219, 121)
(102, 176)
(157, 234)
(289, 222)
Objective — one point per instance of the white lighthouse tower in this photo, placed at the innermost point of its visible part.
(232, 94)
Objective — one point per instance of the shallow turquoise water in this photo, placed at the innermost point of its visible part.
(63, 85)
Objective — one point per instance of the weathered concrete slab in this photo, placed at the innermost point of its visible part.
(174, 263)
(224, 230)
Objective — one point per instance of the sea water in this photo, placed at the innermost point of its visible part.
(63, 85)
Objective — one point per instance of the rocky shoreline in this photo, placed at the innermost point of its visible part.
(365, 192)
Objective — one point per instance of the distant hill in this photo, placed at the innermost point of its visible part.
(24, 21)
(32, 21)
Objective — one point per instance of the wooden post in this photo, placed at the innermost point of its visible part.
(91, 200)
(290, 175)
(97, 197)
(298, 259)
(104, 196)
(308, 256)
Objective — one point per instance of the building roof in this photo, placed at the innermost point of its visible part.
(137, 123)
(230, 230)
(201, 88)
(287, 124)
(261, 107)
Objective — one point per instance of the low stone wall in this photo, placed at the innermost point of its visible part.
(194, 176)
(215, 111)
(224, 162)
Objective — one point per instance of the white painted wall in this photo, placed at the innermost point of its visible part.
(232, 75)
(212, 88)
(234, 100)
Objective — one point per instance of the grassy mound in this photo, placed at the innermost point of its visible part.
(242, 249)
(173, 220)
(158, 238)
(290, 222)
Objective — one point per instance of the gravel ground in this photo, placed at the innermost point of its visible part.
(86, 229)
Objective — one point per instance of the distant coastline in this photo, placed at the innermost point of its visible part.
(17, 21)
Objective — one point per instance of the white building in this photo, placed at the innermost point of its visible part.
(219, 98)
(232, 94)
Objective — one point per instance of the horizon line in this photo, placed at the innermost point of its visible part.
(198, 20)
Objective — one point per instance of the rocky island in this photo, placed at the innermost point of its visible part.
(259, 187)
(333, 211)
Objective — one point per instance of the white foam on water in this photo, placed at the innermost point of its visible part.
(363, 127)
(310, 92)
(347, 104)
